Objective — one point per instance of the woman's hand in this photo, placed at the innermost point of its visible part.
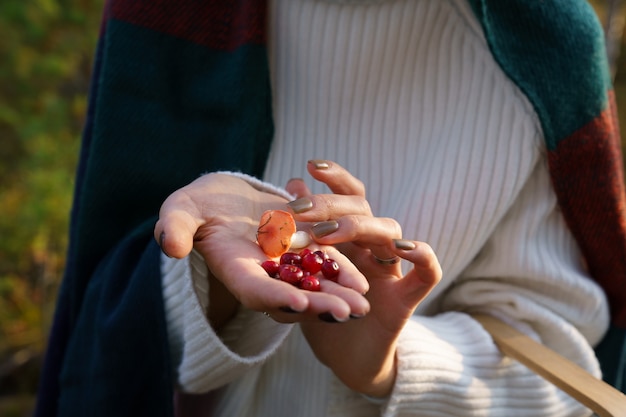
(362, 352)
(218, 214)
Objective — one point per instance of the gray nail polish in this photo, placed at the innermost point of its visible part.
(161, 240)
(322, 229)
(301, 205)
(404, 244)
(328, 318)
(319, 164)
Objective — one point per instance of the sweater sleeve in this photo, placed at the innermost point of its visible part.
(530, 274)
(203, 359)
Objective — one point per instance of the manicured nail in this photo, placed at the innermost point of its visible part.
(161, 240)
(319, 164)
(330, 318)
(295, 179)
(404, 244)
(287, 309)
(301, 205)
(322, 229)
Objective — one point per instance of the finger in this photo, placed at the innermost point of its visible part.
(333, 303)
(175, 229)
(337, 178)
(358, 304)
(349, 275)
(426, 272)
(238, 264)
(297, 187)
(375, 233)
(408, 291)
(339, 299)
(321, 207)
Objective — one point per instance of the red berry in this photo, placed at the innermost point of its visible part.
(290, 273)
(322, 254)
(310, 283)
(330, 269)
(312, 262)
(299, 269)
(271, 267)
(290, 258)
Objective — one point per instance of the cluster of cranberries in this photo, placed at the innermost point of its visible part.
(299, 269)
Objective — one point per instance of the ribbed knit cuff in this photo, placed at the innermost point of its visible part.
(208, 361)
(445, 371)
(260, 185)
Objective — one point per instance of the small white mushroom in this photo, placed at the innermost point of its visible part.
(300, 239)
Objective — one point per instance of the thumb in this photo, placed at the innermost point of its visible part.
(174, 232)
(425, 274)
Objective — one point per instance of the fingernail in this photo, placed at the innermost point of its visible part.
(301, 205)
(327, 317)
(330, 318)
(161, 240)
(294, 179)
(404, 244)
(322, 229)
(287, 309)
(356, 316)
(319, 163)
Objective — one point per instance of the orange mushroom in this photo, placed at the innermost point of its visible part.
(274, 233)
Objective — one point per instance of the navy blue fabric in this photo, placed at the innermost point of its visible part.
(611, 353)
(117, 362)
(163, 111)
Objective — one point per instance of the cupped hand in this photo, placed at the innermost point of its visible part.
(218, 215)
(343, 216)
(362, 352)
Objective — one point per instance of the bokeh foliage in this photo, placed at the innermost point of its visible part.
(46, 53)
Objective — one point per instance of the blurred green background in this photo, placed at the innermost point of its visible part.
(46, 53)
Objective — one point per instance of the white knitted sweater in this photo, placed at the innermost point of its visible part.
(406, 95)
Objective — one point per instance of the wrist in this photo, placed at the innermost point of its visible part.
(381, 385)
(222, 304)
(218, 304)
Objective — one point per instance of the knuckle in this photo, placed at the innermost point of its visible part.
(355, 220)
(359, 187)
(428, 259)
(356, 226)
(323, 206)
(365, 206)
(393, 227)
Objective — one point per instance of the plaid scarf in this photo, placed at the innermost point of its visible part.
(182, 87)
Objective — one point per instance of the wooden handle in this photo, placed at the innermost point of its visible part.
(594, 393)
